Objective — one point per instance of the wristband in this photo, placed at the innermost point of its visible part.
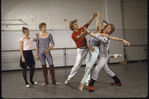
(89, 32)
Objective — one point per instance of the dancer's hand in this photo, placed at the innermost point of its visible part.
(83, 33)
(126, 43)
(34, 40)
(23, 60)
(92, 49)
(46, 51)
(98, 13)
(37, 57)
(94, 14)
(86, 30)
(37, 34)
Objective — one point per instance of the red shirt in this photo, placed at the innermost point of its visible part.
(81, 42)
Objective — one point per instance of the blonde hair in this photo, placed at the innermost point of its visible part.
(41, 24)
(71, 24)
(24, 28)
(112, 28)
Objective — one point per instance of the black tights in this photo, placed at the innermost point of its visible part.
(31, 74)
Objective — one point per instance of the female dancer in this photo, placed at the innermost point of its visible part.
(27, 58)
(94, 46)
(43, 51)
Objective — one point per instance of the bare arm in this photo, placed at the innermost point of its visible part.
(37, 55)
(52, 45)
(116, 39)
(97, 20)
(21, 51)
(90, 21)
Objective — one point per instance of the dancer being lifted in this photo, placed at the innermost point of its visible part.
(103, 57)
(94, 46)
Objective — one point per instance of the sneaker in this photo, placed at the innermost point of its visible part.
(67, 81)
(86, 83)
(27, 86)
(116, 84)
(90, 89)
(81, 87)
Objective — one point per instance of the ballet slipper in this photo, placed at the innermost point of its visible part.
(81, 87)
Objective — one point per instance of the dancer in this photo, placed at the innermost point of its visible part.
(103, 57)
(93, 45)
(82, 48)
(27, 58)
(43, 52)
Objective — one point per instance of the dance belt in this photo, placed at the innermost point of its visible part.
(84, 47)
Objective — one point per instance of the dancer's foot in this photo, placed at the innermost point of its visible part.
(116, 84)
(81, 86)
(56, 83)
(90, 89)
(27, 85)
(44, 84)
(117, 55)
(67, 81)
(33, 83)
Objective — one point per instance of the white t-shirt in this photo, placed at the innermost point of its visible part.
(27, 44)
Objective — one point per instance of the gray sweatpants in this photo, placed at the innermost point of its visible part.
(102, 63)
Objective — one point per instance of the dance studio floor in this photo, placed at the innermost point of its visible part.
(134, 78)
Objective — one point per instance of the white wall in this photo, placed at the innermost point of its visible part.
(134, 17)
(53, 12)
(134, 13)
(113, 15)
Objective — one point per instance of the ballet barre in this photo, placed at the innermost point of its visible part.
(64, 52)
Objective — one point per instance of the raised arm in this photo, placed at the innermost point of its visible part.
(97, 20)
(90, 21)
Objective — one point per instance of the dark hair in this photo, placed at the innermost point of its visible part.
(104, 22)
(24, 28)
(71, 24)
(41, 24)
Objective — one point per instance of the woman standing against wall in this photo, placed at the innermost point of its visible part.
(27, 58)
(43, 51)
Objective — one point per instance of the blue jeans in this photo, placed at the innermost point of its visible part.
(94, 55)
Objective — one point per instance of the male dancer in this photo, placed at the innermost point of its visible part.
(103, 57)
(82, 48)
